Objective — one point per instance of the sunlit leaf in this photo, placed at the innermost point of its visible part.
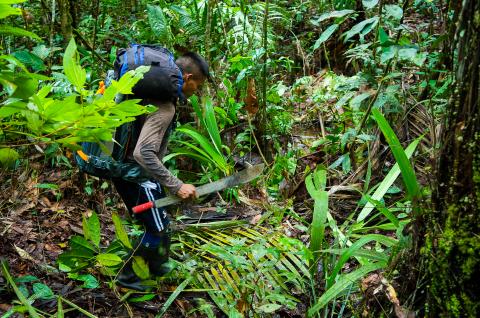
(120, 230)
(108, 259)
(8, 156)
(140, 267)
(91, 228)
(10, 30)
(71, 66)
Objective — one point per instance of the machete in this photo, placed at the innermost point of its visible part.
(235, 179)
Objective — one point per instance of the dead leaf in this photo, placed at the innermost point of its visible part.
(25, 207)
(23, 254)
(251, 102)
(255, 219)
(372, 280)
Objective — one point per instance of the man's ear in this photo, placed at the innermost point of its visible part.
(187, 76)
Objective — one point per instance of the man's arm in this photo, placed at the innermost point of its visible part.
(148, 146)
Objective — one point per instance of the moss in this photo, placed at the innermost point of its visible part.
(454, 306)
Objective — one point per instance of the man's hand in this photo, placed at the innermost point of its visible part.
(187, 191)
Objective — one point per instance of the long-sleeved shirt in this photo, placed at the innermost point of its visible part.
(151, 146)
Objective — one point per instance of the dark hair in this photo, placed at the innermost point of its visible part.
(193, 63)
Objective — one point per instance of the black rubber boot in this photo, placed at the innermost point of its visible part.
(157, 262)
(127, 277)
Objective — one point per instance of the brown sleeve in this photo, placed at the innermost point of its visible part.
(149, 150)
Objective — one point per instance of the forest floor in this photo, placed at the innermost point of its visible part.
(43, 207)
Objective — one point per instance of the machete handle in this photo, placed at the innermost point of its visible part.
(143, 207)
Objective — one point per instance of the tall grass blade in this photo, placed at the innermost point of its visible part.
(316, 188)
(353, 248)
(211, 125)
(173, 296)
(408, 174)
(60, 313)
(341, 285)
(387, 182)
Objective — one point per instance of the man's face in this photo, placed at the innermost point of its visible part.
(191, 84)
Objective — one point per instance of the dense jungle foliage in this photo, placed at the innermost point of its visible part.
(365, 113)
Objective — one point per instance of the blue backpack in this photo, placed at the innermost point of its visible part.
(162, 82)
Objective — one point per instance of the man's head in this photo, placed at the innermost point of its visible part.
(195, 72)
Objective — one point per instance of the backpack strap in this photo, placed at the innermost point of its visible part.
(180, 75)
(142, 55)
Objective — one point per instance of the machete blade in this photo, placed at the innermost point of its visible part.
(235, 179)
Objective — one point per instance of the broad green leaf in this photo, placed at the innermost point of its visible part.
(356, 29)
(369, 3)
(91, 228)
(343, 283)
(26, 279)
(269, 308)
(89, 281)
(12, 60)
(30, 59)
(173, 296)
(108, 259)
(8, 156)
(71, 66)
(383, 36)
(388, 53)
(407, 53)
(75, 253)
(393, 10)
(140, 267)
(26, 87)
(120, 231)
(408, 174)
(6, 10)
(10, 30)
(11, 1)
(334, 14)
(386, 183)
(79, 242)
(42, 291)
(126, 83)
(356, 102)
(325, 35)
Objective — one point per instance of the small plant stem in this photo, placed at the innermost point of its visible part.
(80, 309)
(326, 56)
(256, 141)
(31, 310)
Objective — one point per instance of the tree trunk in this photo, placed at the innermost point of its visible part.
(452, 242)
(65, 19)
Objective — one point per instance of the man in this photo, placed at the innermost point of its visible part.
(148, 152)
